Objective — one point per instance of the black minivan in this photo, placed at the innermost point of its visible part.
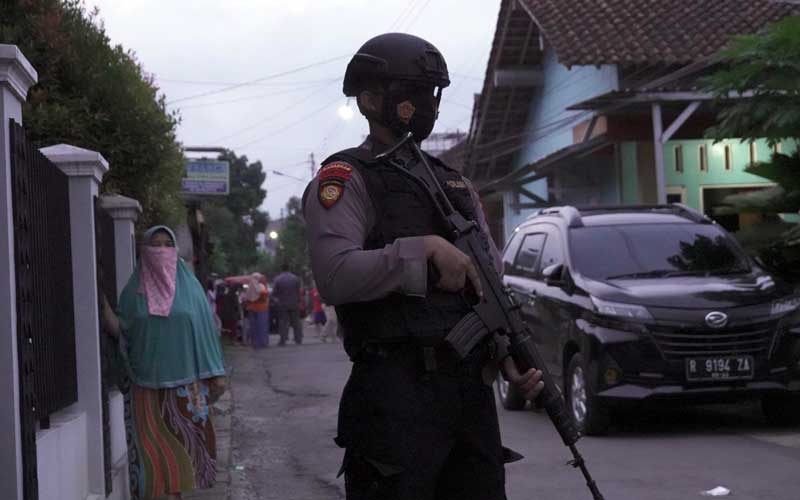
(650, 303)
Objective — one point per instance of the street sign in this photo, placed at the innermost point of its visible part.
(206, 177)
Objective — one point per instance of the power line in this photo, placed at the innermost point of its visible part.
(403, 14)
(272, 116)
(268, 77)
(249, 98)
(287, 127)
(224, 84)
(409, 25)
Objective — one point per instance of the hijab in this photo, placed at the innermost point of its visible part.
(158, 268)
(169, 334)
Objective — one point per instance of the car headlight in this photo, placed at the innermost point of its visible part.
(783, 306)
(618, 310)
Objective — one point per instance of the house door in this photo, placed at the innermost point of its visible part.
(714, 197)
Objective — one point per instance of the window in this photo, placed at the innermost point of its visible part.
(647, 251)
(678, 150)
(528, 256)
(703, 153)
(511, 251)
(674, 198)
(728, 158)
(553, 252)
(753, 153)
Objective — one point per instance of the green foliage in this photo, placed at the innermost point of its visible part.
(98, 97)
(234, 221)
(292, 243)
(757, 87)
(767, 67)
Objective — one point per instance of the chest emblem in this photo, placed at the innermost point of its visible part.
(457, 184)
(332, 180)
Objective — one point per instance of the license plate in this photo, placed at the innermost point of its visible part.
(720, 368)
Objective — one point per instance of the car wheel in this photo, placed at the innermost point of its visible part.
(510, 395)
(589, 414)
(781, 409)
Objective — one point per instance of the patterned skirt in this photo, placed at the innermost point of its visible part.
(171, 442)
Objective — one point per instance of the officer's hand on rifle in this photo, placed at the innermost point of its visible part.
(453, 265)
(530, 382)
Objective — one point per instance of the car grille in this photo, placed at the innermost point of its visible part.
(676, 342)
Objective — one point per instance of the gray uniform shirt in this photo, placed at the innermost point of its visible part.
(343, 270)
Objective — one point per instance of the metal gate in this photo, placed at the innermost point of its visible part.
(106, 286)
(45, 315)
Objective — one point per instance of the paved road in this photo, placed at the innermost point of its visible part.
(284, 420)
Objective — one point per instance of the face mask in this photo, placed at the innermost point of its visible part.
(411, 108)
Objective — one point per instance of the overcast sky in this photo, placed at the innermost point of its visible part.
(203, 46)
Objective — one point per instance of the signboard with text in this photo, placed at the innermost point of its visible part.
(206, 177)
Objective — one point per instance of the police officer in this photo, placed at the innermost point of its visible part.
(416, 421)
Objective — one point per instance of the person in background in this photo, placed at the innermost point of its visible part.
(257, 305)
(318, 318)
(230, 312)
(211, 294)
(172, 355)
(287, 297)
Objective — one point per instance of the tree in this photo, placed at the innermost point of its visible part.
(757, 87)
(234, 221)
(292, 243)
(98, 97)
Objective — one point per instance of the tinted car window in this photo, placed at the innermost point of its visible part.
(528, 255)
(654, 250)
(511, 251)
(553, 252)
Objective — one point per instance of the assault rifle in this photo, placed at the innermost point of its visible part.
(497, 311)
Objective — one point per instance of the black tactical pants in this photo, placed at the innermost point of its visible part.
(412, 434)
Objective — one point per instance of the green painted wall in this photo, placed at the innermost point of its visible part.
(630, 177)
(692, 178)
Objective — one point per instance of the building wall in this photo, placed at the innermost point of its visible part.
(692, 179)
(550, 124)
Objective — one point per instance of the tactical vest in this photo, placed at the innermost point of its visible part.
(403, 209)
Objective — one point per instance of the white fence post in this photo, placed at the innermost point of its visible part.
(125, 211)
(85, 170)
(16, 77)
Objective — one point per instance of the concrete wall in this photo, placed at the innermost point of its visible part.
(550, 124)
(692, 180)
(549, 121)
(63, 456)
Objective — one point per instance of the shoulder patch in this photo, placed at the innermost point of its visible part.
(332, 179)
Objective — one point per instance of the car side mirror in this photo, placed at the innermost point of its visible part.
(554, 275)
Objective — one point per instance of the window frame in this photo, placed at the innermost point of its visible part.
(678, 153)
(753, 153)
(702, 151)
(535, 271)
(727, 153)
(554, 232)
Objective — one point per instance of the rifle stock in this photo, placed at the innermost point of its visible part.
(496, 311)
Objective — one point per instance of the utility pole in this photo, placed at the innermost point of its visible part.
(313, 165)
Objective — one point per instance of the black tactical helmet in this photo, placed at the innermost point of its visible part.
(395, 56)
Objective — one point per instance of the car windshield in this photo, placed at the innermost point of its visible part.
(639, 251)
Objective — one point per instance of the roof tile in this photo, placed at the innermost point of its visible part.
(593, 32)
